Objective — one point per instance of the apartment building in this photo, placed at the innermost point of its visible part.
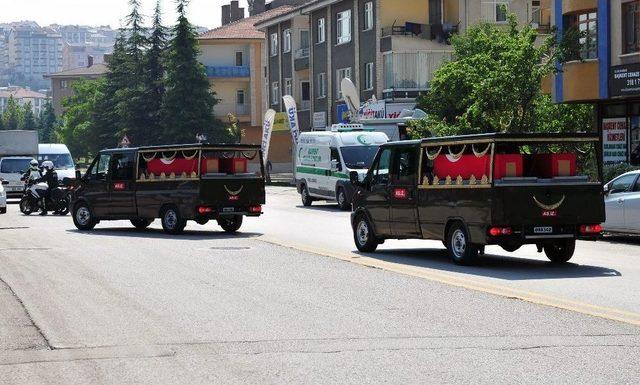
(33, 52)
(61, 82)
(390, 49)
(606, 72)
(22, 96)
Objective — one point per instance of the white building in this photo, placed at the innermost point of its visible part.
(33, 53)
(23, 96)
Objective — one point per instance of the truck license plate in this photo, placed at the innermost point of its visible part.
(228, 209)
(543, 230)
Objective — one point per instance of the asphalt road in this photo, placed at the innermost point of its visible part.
(120, 306)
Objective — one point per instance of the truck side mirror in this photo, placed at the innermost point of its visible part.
(353, 177)
(334, 164)
(605, 188)
(78, 175)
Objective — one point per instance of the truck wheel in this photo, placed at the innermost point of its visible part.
(306, 198)
(459, 245)
(341, 197)
(83, 217)
(172, 222)
(141, 223)
(561, 251)
(363, 235)
(230, 224)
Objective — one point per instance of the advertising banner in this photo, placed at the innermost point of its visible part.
(624, 80)
(292, 114)
(614, 140)
(374, 110)
(267, 129)
(395, 109)
(320, 120)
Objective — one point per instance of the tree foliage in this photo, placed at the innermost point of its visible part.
(12, 116)
(28, 121)
(47, 124)
(493, 84)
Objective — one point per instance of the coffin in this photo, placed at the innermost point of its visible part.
(507, 165)
(551, 165)
(234, 165)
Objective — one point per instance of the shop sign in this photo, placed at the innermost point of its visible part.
(624, 80)
(614, 140)
(320, 120)
(374, 110)
(395, 109)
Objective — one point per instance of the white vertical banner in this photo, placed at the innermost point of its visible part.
(267, 129)
(292, 114)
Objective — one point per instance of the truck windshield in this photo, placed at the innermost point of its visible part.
(60, 161)
(358, 157)
(14, 166)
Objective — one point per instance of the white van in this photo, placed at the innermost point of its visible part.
(60, 156)
(324, 160)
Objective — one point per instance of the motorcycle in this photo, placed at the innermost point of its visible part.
(58, 202)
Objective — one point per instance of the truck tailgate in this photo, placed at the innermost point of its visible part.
(232, 192)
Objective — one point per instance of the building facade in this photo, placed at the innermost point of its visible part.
(60, 82)
(22, 96)
(606, 72)
(32, 53)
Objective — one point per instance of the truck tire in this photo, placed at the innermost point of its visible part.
(363, 235)
(560, 251)
(172, 222)
(83, 217)
(461, 250)
(230, 224)
(304, 195)
(341, 198)
(141, 223)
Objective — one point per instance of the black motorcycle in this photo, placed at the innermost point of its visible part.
(57, 202)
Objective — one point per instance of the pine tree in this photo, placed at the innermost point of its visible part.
(188, 102)
(154, 78)
(28, 121)
(12, 115)
(47, 124)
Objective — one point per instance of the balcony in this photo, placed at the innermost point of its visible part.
(301, 59)
(541, 19)
(417, 36)
(407, 74)
(227, 71)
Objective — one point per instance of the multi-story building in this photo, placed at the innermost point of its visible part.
(607, 70)
(75, 55)
(22, 96)
(232, 55)
(33, 52)
(388, 48)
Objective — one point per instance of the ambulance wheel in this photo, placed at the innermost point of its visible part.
(306, 198)
(561, 251)
(230, 224)
(83, 217)
(459, 245)
(141, 223)
(172, 222)
(364, 236)
(341, 197)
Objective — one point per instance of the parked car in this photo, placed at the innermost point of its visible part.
(3, 197)
(489, 189)
(11, 169)
(622, 204)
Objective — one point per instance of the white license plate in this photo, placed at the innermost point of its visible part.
(543, 230)
(228, 209)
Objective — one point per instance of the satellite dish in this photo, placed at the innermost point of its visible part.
(350, 95)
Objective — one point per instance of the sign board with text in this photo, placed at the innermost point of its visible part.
(614, 140)
(320, 120)
(624, 80)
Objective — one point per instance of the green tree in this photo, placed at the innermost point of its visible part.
(12, 115)
(154, 79)
(79, 130)
(28, 121)
(47, 124)
(188, 102)
(493, 84)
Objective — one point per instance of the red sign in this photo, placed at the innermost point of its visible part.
(550, 213)
(119, 186)
(400, 193)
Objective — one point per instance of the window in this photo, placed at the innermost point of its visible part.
(368, 16)
(321, 31)
(494, 11)
(64, 84)
(586, 24)
(239, 61)
(341, 74)
(304, 39)
(240, 97)
(336, 165)
(368, 76)
(322, 85)
(122, 166)
(631, 27)
(343, 34)
(274, 44)
(637, 186)
(405, 166)
(286, 41)
(381, 172)
(622, 184)
(101, 167)
(305, 91)
(275, 93)
(288, 88)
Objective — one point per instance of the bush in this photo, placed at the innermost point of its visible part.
(610, 171)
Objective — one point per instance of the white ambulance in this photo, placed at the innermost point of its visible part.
(324, 160)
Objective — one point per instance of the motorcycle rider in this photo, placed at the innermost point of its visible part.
(50, 177)
(33, 173)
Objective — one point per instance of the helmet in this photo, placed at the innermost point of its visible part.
(47, 164)
(33, 163)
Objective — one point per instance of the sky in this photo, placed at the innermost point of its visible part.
(205, 13)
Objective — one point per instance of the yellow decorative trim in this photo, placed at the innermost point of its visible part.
(447, 180)
(453, 186)
(473, 180)
(436, 180)
(459, 180)
(484, 180)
